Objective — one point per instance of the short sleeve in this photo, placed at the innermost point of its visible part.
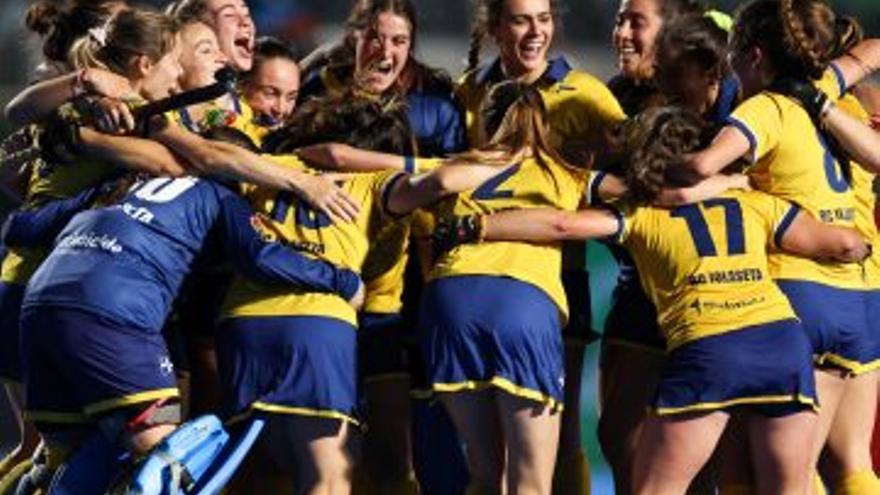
(760, 119)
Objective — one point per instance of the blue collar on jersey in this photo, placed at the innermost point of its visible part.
(557, 69)
(727, 96)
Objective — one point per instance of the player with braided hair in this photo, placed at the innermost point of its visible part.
(692, 276)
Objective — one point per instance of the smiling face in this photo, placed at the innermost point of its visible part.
(382, 51)
(635, 31)
(273, 88)
(232, 23)
(200, 56)
(523, 36)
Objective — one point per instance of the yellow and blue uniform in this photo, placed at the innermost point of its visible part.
(241, 117)
(632, 318)
(438, 128)
(580, 111)
(865, 350)
(492, 312)
(705, 267)
(294, 352)
(103, 294)
(790, 159)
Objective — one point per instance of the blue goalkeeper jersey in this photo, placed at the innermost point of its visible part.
(127, 261)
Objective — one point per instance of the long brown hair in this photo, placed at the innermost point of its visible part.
(513, 124)
(799, 37)
(363, 16)
(126, 35)
(657, 141)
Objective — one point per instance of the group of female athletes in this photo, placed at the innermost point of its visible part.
(388, 266)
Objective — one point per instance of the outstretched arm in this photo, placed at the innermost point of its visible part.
(416, 191)
(227, 160)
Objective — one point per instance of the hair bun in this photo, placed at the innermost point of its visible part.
(41, 17)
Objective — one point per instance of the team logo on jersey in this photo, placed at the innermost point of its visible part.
(166, 367)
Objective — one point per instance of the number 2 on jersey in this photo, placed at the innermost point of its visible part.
(490, 189)
(699, 228)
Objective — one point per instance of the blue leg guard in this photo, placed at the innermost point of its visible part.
(231, 458)
(90, 469)
(199, 457)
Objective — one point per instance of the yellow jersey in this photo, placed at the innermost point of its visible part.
(580, 108)
(285, 218)
(863, 189)
(386, 261)
(527, 184)
(705, 266)
(790, 159)
(241, 117)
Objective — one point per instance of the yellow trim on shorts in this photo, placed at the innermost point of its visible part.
(505, 385)
(303, 411)
(384, 377)
(633, 345)
(853, 367)
(127, 400)
(767, 399)
(64, 418)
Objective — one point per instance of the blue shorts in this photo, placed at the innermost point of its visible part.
(579, 329)
(632, 319)
(10, 350)
(79, 365)
(873, 300)
(384, 346)
(482, 331)
(300, 365)
(767, 368)
(836, 322)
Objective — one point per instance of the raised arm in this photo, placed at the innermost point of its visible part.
(274, 263)
(808, 237)
(860, 62)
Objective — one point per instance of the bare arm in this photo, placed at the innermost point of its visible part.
(860, 62)
(806, 236)
(612, 188)
(858, 139)
(39, 100)
(730, 145)
(131, 152)
(549, 225)
(338, 156)
(423, 189)
(706, 189)
(228, 160)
